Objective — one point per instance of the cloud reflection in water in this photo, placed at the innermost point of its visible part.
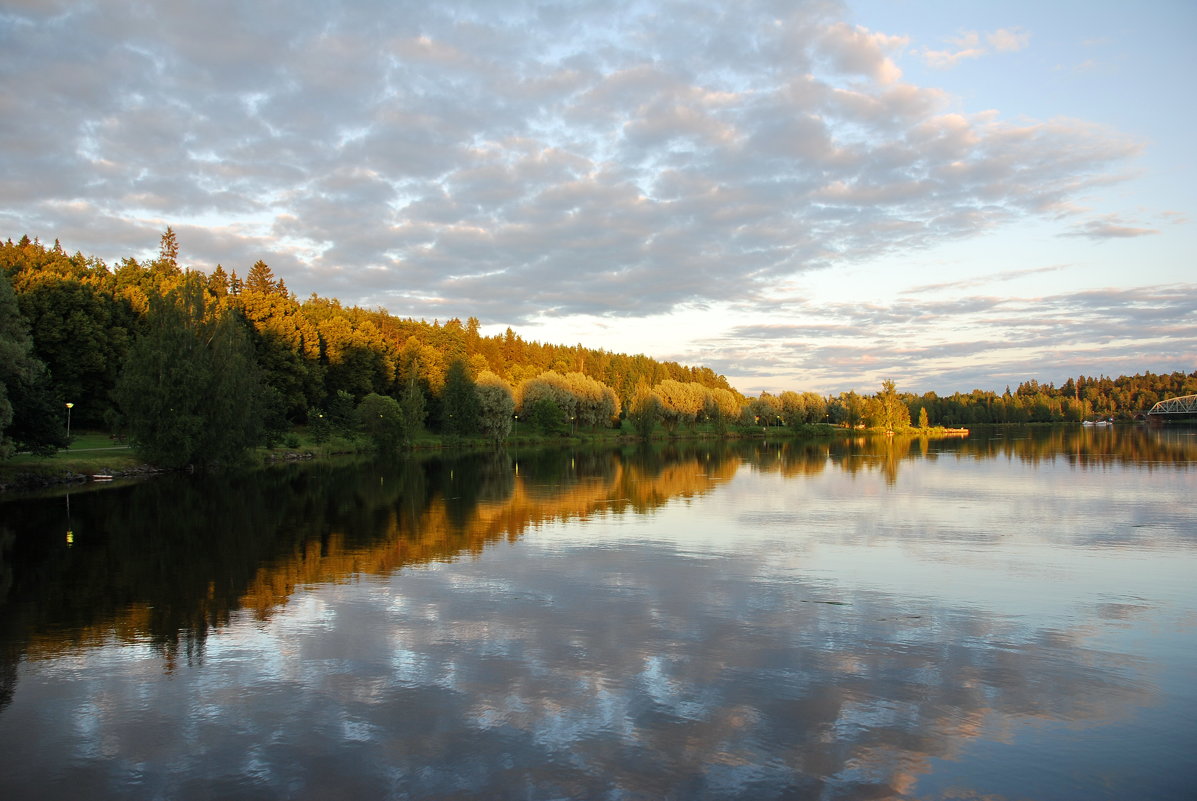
(611, 654)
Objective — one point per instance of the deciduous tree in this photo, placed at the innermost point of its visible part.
(888, 410)
(29, 415)
(191, 391)
(645, 411)
(496, 406)
(459, 404)
(381, 419)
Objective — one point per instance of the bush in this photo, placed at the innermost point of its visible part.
(381, 419)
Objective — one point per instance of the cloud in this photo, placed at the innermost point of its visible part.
(922, 339)
(1008, 40)
(946, 59)
(1007, 275)
(1108, 227)
(857, 50)
(973, 45)
(508, 161)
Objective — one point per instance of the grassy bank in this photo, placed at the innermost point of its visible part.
(94, 454)
(89, 454)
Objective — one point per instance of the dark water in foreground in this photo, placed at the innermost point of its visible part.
(1012, 616)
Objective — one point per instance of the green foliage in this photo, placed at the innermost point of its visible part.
(496, 407)
(680, 402)
(190, 390)
(886, 410)
(83, 317)
(88, 316)
(275, 424)
(585, 402)
(39, 417)
(645, 412)
(341, 414)
(460, 410)
(764, 410)
(82, 335)
(381, 419)
(30, 416)
(414, 410)
(547, 418)
(848, 409)
(551, 386)
(1077, 399)
(319, 426)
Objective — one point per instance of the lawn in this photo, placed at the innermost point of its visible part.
(90, 453)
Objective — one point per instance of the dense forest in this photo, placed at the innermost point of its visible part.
(76, 330)
(197, 366)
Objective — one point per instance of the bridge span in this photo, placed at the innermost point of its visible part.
(1174, 408)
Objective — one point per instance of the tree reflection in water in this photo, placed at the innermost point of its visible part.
(383, 630)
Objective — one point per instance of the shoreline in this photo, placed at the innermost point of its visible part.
(37, 473)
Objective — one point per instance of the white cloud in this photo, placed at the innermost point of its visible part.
(924, 337)
(968, 45)
(859, 51)
(1008, 40)
(946, 59)
(512, 161)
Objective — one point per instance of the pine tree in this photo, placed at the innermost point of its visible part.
(218, 282)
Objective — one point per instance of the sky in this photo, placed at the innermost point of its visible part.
(811, 196)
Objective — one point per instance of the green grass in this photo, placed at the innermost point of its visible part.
(90, 453)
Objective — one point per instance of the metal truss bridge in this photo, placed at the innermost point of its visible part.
(1185, 405)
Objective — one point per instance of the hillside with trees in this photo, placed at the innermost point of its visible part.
(131, 345)
(198, 367)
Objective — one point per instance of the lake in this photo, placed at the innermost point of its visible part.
(1011, 615)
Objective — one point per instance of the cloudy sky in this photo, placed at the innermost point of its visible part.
(800, 195)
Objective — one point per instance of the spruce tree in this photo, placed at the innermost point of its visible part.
(168, 248)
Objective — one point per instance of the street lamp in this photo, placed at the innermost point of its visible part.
(69, 407)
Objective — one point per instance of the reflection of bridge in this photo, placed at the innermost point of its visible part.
(1174, 408)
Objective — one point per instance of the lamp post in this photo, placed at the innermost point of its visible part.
(69, 407)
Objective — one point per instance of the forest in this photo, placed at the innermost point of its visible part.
(196, 367)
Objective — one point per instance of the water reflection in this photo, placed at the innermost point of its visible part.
(165, 561)
(535, 625)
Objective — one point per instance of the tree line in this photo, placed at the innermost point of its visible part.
(162, 351)
(1077, 399)
(196, 367)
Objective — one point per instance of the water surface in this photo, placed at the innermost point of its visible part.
(1008, 616)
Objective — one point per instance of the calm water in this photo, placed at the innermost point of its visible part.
(1011, 616)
